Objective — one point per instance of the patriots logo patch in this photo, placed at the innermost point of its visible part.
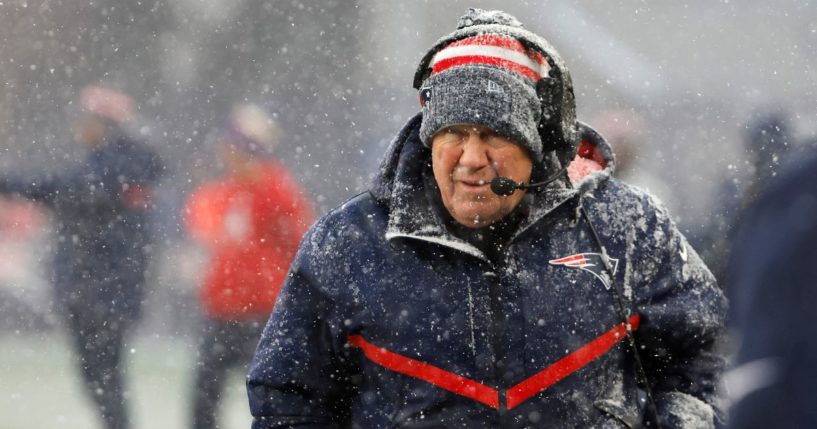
(590, 262)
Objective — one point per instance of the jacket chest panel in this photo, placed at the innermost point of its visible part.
(422, 311)
(468, 317)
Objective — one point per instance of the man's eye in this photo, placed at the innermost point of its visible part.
(498, 142)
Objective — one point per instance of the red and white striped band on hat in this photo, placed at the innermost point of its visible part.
(495, 50)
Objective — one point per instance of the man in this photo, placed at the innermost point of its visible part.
(251, 220)
(432, 301)
(101, 207)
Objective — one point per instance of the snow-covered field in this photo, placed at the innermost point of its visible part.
(41, 389)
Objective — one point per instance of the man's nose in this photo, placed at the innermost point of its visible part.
(474, 153)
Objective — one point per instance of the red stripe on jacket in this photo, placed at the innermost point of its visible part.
(430, 373)
(569, 364)
(487, 395)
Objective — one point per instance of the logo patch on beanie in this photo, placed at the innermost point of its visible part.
(492, 86)
(425, 95)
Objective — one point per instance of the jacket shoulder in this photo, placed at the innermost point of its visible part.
(634, 222)
(337, 244)
(357, 221)
(632, 202)
(354, 211)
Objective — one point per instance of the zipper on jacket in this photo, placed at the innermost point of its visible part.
(497, 328)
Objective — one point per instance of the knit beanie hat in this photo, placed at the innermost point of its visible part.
(494, 73)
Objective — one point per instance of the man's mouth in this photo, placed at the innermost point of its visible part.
(475, 182)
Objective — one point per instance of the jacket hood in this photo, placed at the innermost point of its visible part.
(594, 162)
(400, 184)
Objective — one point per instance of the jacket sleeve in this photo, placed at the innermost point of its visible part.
(300, 376)
(683, 315)
(42, 189)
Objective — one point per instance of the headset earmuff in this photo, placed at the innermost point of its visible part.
(549, 91)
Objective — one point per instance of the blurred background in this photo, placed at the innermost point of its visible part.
(679, 88)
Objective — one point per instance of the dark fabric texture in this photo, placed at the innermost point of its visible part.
(773, 292)
(385, 266)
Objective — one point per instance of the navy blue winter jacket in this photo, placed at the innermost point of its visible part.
(388, 320)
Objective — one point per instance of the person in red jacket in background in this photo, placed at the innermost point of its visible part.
(251, 220)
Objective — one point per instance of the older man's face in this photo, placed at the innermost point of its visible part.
(465, 158)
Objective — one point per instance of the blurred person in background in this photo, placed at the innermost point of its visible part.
(251, 220)
(768, 141)
(773, 290)
(101, 208)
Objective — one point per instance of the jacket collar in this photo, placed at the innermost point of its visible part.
(400, 185)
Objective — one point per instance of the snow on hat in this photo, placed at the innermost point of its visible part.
(492, 72)
(251, 129)
(107, 103)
